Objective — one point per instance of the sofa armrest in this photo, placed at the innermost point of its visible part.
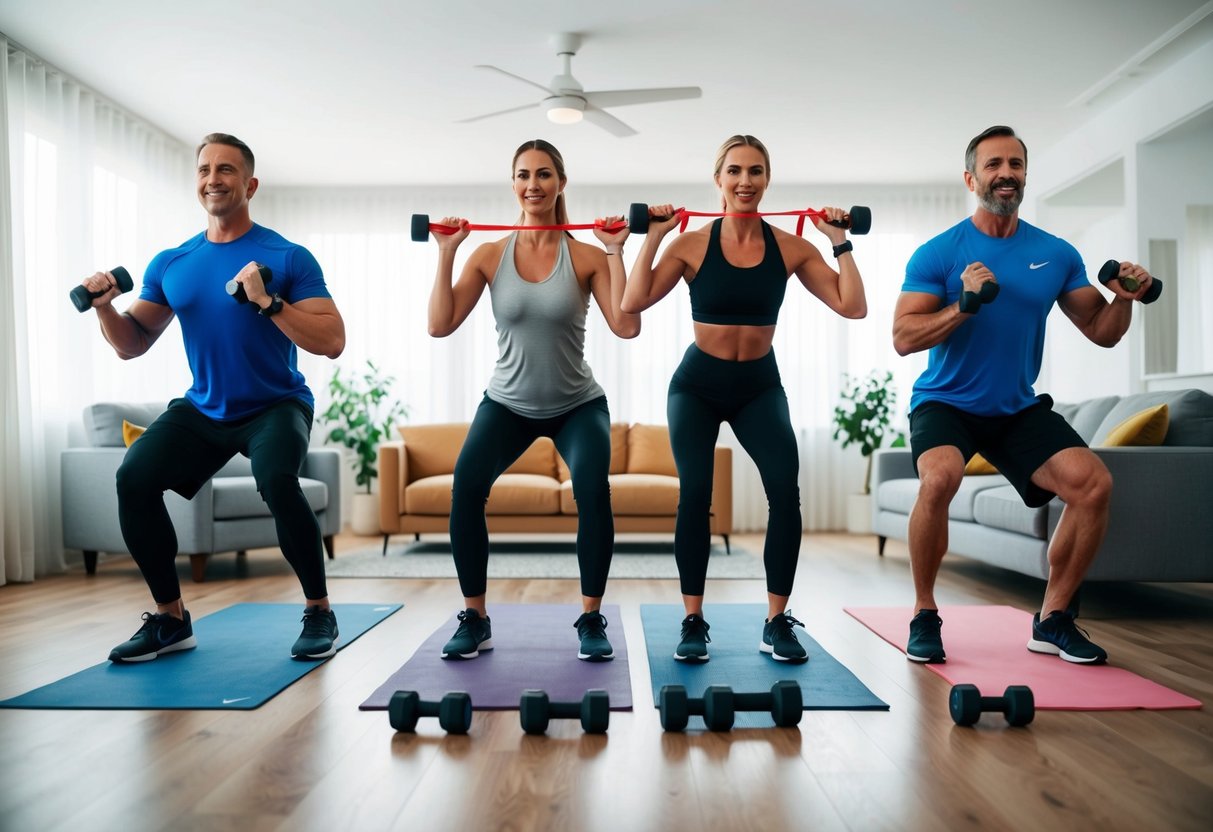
(324, 464)
(722, 490)
(393, 478)
(892, 464)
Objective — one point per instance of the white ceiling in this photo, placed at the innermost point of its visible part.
(367, 91)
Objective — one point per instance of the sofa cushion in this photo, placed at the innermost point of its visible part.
(539, 459)
(432, 449)
(899, 495)
(1003, 508)
(103, 421)
(979, 466)
(1145, 428)
(649, 451)
(639, 495)
(237, 497)
(619, 453)
(512, 494)
(1191, 416)
(1086, 417)
(131, 432)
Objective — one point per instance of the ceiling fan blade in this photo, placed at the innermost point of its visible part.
(608, 122)
(622, 98)
(501, 71)
(498, 113)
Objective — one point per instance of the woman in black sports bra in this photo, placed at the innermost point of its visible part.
(737, 270)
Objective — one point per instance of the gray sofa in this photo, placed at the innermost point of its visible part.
(227, 515)
(1161, 522)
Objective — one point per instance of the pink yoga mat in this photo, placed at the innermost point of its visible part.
(986, 646)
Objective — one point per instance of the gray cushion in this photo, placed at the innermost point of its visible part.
(1191, 416)
(1086, 417)
(103, 421)
(899, 495)
(1003, 508)
(237, 497)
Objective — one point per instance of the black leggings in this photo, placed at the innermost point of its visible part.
(704, 392)
(183, 449)
(499, 436)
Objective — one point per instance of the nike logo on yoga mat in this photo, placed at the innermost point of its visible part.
(237, 699)
(1035, 266)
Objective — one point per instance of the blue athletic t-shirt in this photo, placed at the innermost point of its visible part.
(987, 366)
(242, 363)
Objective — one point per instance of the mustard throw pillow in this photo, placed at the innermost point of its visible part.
(1146, 427)
(980, 466)
(131, 432)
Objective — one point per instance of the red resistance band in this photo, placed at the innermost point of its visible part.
(686, 215)
(611, 228)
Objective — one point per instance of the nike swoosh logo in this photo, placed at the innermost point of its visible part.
(237, 699)
(380, 609)
(1035, 266)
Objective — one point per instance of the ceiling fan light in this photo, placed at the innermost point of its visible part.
(565, 109)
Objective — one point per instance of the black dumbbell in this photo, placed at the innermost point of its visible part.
(967, 704)
(421, 228)
(454, 712)
(1111, 269)
(535, 710)
(82, 298)
(236, 289)
(719, 705)
(989, 291)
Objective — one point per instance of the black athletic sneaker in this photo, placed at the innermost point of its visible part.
(694, 644)
(591, 629)
(1059, 635)
(319, 637)
(160, 633)
(779, 639)
(473, 635)
(926, 642)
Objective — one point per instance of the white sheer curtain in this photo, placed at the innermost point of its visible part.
(1196, 288)
(381, 282)
(87, 187)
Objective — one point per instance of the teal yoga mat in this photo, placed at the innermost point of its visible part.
(736, 630)
(242, 660)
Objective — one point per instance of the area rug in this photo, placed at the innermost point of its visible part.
(531, 559)
(986, 647)
(241, 661)
(534, 646)
(736, 630)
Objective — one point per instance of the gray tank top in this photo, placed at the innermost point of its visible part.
(541, 369)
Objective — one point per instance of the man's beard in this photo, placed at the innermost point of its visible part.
(996, 204)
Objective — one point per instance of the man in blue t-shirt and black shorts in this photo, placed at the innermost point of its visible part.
(976, 393)
(247, 397)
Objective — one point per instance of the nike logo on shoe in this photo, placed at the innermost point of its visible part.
(1035, 266)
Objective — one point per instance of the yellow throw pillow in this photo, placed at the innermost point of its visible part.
(1146, 427)
(980, 466)
(131, 432)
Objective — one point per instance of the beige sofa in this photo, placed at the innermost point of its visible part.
(535, 495)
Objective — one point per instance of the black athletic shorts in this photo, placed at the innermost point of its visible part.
(1016, 444)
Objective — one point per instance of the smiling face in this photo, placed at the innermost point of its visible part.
(223, 181)
(742, 178)
(537, 183)
(1000, 171)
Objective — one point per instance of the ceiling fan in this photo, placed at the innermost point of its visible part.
(566, 102)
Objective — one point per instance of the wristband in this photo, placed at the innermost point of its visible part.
(618, 250)
(970, 303)
(273, 309)
(842, 248)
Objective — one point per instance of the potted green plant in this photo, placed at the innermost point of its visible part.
(360, 415)
(864, 417)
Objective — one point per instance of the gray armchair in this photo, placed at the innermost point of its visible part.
(227, 515)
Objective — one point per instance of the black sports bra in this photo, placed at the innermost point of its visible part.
(722, 293)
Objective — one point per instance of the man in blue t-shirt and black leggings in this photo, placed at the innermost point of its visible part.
(976, 393)
(248, 395)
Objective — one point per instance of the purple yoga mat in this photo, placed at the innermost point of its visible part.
(535, 646)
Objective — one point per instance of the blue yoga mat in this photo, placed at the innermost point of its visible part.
(241, 661)
(736, 630)
(535, 646)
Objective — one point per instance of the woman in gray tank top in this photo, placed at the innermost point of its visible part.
(540, 282)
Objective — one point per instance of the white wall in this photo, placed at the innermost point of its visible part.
(1158, 182)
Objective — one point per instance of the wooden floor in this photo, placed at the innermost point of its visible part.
(310, 760)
